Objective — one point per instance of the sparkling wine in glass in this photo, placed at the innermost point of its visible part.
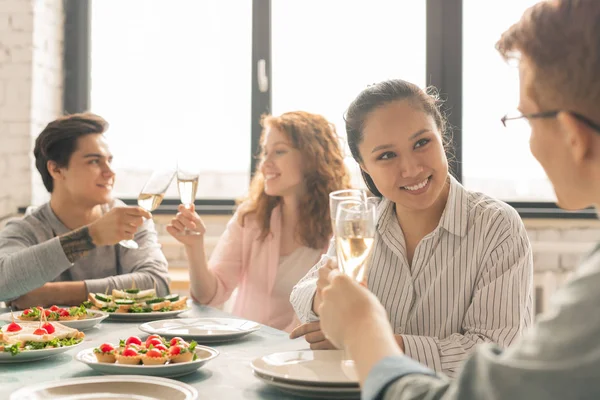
(187, 184)
(354, 236)
(151, 196)
(341, 195)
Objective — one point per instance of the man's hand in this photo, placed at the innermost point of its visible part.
(348, 309)
(120, 223)
(314, 336)
(323, 282)
(66, 293)
(353, 319)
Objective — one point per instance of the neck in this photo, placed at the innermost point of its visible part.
(71, 213)
(421, 222)
(289, 210)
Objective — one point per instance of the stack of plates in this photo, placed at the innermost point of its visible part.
(324, 374)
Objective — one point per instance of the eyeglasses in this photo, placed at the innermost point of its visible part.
(552, 114)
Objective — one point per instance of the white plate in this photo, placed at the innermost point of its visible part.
(317, 367)
(32, 355)
(145, 316)
(94, 318)
(202, 329)
(314, 392)
(108, 387)
(205, 354)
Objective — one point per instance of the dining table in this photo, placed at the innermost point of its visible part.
(228, 376)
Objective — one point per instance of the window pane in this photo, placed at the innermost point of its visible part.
(173, 77)
(496, 160)
(325, 52)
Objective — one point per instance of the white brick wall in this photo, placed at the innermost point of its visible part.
(31, 80)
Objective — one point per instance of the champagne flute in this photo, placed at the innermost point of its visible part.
(340, 195)
(187, 184)
(151, 196)
(354, 236)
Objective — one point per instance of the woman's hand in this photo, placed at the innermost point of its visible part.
(187, 218)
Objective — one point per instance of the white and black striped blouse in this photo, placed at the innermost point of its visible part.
(470, 280)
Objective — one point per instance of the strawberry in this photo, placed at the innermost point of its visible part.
(134, 340)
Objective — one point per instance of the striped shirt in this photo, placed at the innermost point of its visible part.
(470, 280)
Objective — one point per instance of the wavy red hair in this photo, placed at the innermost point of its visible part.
(325, 172)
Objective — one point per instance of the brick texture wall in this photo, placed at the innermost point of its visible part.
(31, 80)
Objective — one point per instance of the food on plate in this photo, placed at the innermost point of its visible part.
(36, 335)
(155, 350)
(55, 313)
(135, 301)
(105, 353)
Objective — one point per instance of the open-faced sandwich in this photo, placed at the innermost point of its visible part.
(134, 300)
(155, 350)
(36, 335)
(54, 313)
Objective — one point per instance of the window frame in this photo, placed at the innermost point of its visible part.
(444, 55)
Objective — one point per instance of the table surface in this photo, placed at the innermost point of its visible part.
(229, 376)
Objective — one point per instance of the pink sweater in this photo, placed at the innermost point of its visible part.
(241, 260)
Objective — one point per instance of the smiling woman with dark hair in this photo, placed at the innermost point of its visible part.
(453, 268)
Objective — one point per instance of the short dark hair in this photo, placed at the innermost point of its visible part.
(381, 94)
(58, 141)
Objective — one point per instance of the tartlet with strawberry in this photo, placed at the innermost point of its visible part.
(155, 357)
(128, 356)
(155, 350)
(105, 353)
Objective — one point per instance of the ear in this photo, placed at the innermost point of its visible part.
(54, 170)
(578, 136)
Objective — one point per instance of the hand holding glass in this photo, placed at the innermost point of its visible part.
(151, 196)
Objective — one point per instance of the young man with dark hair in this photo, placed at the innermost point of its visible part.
(558, 48)
(68, 247)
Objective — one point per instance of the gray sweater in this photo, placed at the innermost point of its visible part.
(31, 255)
(558, 358)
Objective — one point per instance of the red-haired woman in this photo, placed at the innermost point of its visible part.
(279, 232)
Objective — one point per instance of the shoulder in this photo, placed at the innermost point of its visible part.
(491, 212)
(35, 224)
(249, 219)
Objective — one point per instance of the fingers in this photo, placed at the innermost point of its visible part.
(337, 282)
(305, 329)
(315, 337)
(173, 231)
(135, 211)
(331, 264)
(177, 224)
(322, 345)
(188, 212)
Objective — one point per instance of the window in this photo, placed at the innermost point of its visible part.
(496, 160)
(325, 52)
(174, 78)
